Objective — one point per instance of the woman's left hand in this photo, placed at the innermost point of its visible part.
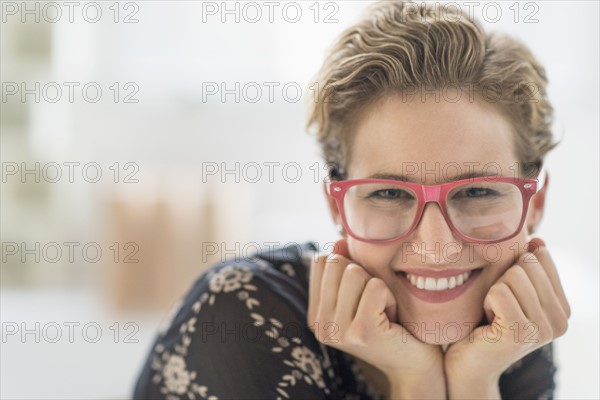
(527, 308)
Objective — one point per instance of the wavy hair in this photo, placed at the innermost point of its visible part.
(400, 46)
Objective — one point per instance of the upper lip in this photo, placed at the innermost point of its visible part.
(436, 273)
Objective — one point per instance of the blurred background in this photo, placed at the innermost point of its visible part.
(142, 141)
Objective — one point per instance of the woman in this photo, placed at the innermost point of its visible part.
(419, 300)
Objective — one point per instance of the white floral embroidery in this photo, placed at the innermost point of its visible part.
(178, 381)
(171, 368)
(176, 376)
(288, 269)
(258, 319)
(283, 342)
(229, 279)
(306, 360)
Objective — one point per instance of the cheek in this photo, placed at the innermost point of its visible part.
(377, 260)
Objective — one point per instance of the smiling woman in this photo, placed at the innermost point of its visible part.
(436, 288)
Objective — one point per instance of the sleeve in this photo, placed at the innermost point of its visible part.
(240, 334)
(532, 377)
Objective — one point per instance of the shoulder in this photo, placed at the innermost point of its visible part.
(243, 314)
(273, 273)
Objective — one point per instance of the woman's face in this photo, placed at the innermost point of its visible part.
(394, 138)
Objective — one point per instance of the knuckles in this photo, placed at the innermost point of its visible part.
(376, 285)
(500, 291)
(355, 272)
(561, 329)
(516, 272)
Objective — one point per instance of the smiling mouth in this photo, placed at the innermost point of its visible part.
(439, 284)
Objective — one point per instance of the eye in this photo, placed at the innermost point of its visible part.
(391, 194)
(476, 192)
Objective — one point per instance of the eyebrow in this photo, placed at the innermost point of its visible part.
(396, 177)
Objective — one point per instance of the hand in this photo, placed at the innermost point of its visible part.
(527, 308)
(353, 311)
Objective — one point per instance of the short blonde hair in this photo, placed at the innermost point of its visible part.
(399, 46)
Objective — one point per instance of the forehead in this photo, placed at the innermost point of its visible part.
(396, 135)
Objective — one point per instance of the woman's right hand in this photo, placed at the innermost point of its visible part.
(353, 311)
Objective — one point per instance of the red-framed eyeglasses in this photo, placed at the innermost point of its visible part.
(487, 209)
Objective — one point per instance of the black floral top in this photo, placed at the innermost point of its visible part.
(241, 333)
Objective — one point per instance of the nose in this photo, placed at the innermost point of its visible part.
(434, 239)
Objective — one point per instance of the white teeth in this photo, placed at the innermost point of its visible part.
(413, 279)
(429, 283)
(442, 284)
(452, 283)
(420, 282)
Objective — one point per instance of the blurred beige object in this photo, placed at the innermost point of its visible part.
(167, 223)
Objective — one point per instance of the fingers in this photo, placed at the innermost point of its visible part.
(549, 299)
(317, 270)
(353, 283)
(534, 284)
(314, 292)
(334, 268)
(376, 299)
(543, 257)
(524, 292)
(502, 302)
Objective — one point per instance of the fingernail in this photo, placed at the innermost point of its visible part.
(341, 247)
(535, 244)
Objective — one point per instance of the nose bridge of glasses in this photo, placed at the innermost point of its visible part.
(432, 193)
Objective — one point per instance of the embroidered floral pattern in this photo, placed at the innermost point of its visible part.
(305, 359)
(229, 279)
(177, 377)
(176, 381)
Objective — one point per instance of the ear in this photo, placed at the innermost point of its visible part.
(333, 208)
(536, 208)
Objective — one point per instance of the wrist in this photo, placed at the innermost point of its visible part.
(427, 385)
(468, 385)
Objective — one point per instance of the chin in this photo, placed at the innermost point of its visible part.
(443, 330)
